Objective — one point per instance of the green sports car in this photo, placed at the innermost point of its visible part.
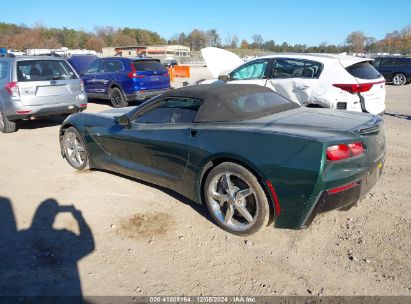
(252, 156)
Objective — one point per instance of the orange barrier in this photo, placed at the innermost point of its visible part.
(182, 71)
(171, 73)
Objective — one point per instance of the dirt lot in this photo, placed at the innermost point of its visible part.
(144, 241)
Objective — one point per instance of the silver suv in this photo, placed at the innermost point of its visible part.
(33, 86)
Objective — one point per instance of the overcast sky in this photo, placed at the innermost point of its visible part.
(294, 21)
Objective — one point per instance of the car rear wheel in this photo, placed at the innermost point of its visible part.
(117, 98)
(74, 149)
(236, 200)
(6, 126)
(399, 79)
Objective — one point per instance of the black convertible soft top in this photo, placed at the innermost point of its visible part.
(233, 102)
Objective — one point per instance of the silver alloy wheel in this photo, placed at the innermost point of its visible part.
(74, 150)
(233, 201)
(399, 79)
(1, 121)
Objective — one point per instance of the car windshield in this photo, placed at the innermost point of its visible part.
(43, 70)
(148, 65)
(82, 63)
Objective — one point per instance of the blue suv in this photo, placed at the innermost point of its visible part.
(125, 79)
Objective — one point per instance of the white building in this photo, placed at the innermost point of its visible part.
(65, 52)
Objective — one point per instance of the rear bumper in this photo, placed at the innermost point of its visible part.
(27, 112)
(345, 199)
(144, 94)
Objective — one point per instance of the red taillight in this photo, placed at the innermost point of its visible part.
(166, 75)
(83, 105)
(338, 152)
(343, 151)
(133, 73)
(342, 188)
(12, 88)
(81, 85)
(357, 87)
(356, 148)
(23, 112)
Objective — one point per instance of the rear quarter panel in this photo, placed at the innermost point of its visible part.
(292, 164)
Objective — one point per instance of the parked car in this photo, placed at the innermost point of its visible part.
(396, 70)
(33, 86)
(313, 80)
(125, 79)
(170, 62)
(81, 63)
(291, 162)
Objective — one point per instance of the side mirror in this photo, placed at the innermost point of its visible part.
(224, 78)
(123, 121)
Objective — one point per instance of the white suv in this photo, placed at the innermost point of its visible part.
(315, 80)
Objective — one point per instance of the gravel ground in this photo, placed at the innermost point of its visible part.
(130, 238)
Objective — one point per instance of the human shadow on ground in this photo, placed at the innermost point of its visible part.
(39, 264)
(401, 116)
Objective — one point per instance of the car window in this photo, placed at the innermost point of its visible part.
(376, 62)
(312, 69)
(173, 111)
(398, 61)
(288, 68)
(110, 66)
(94, 67)
(42, 70)
(363, 70)
(254, 70)
(4, 68)
(387, 61)
(148, 65)
(259, 102)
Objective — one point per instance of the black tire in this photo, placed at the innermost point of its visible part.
(6, 126)
(117, 98)
(68, 150)
(399, 79)
(256, 202)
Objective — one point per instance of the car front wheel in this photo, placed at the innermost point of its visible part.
(399, 79)
(74, 149)
(236, 200)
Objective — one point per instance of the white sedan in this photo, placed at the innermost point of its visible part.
(333, 81)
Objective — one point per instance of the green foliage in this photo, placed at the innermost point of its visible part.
(15, 37)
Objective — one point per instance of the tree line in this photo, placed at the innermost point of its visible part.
(21, 37)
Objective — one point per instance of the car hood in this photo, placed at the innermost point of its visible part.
(220, 61)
